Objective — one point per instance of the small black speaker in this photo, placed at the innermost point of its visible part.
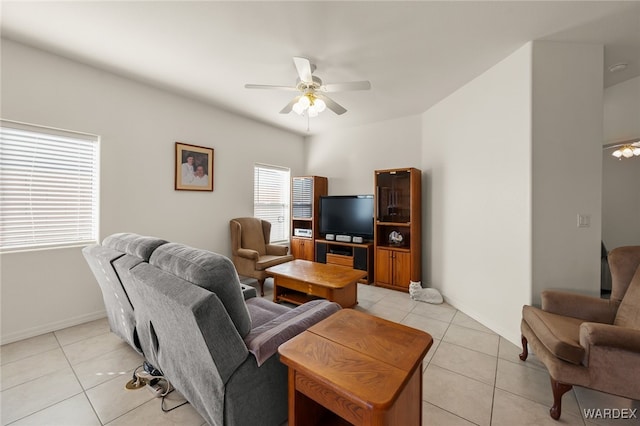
(360, 258)
(321, 253)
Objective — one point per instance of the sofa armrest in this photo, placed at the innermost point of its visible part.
(263, 341)
(248, 254)
(613, 336)
(579, 306)
(248, 292)
(277, 250)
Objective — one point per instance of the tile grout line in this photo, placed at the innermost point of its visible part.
(58, 402)
(84, 391)
(495, 383)
(454, 372)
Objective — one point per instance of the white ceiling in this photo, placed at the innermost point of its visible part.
(414, 53)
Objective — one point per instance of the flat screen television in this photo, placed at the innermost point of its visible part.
(347, 215)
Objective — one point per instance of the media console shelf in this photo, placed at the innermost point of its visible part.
(356, 256)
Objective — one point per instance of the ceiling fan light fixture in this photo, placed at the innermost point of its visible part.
(321, 106)
(627, 150)
(304, 102)
(298, 108)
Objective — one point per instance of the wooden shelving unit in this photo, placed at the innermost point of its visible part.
(398, 228)
(305, 197)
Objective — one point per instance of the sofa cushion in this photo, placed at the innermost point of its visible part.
(629, 310)
(208, 270)
(263, 311)
(559, 334)
(263, 341)
(133, 244)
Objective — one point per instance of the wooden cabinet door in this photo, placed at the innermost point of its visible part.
(401, 269)
(307, 250)
(297, 247)
(384, 267)
(302, 248)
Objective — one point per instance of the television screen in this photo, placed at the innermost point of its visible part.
(347, 215)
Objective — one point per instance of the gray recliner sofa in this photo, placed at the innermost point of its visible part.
(185, 311)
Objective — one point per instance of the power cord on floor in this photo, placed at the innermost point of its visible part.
(146, 376)
(166, 410)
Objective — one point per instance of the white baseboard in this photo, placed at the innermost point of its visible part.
(52, 326)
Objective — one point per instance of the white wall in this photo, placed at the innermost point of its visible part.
(477, 197)
(567, 166)
(622, 111)
(620, 193)
(139, 125)
(620, 201)
(349, 157)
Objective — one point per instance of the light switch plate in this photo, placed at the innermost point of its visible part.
(584, 220)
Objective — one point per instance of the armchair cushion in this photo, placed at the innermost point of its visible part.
(251, 235)
(263, 341)
(629, 310)
(277, 250)
(559, 334)
(268, 261)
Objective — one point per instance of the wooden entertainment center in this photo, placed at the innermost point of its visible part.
(393, 258)
(356, 256)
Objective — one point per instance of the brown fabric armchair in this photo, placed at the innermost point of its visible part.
(251, 250)
(588, 341)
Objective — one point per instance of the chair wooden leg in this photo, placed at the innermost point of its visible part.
(261, 282)
(525, 349)
(559, 389)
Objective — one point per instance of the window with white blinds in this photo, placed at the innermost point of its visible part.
(48, 187)
(271, 194)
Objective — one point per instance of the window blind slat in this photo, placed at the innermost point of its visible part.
(271, 199)
(48, 187)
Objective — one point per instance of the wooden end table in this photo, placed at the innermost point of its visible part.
(354, 368)
(300, 280)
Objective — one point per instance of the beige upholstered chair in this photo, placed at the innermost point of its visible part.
(251, 251)
(588, 341)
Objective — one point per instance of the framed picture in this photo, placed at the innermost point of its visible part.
(194, 167)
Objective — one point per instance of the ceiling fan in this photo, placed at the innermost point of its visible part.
(312, 98)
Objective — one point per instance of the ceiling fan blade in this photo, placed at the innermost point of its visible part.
(344, 87)
(304, 69)
(268, 86)
(331, 104)
(289, 107)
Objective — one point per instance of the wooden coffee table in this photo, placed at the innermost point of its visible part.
(299, 281)
(354, 368)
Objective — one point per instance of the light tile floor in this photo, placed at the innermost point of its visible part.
(76, 376)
